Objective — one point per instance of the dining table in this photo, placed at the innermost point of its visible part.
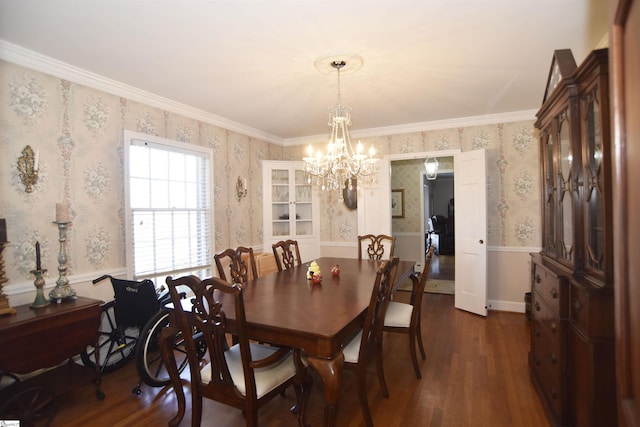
(285, 308)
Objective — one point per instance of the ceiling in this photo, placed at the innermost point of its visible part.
(251, 62)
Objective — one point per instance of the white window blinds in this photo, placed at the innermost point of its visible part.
(168, 208)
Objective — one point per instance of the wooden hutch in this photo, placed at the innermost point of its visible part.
(572, 357)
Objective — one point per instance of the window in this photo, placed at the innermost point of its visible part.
(168, 208)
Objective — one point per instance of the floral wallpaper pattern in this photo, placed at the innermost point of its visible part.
(78, 132)
(512, 181)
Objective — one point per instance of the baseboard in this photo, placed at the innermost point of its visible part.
(515, 307)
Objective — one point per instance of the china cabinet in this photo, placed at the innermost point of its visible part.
(572, 355)
(291, 207)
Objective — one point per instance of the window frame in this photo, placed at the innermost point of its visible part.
(133, 138)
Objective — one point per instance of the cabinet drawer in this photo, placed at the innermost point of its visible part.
(548, 286)
(592, 311)
(547, 366)
(544, 319)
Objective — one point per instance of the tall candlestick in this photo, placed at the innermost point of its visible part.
(62, 212)
(62, 290)
(38, 263)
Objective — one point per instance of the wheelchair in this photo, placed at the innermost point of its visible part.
(130, 328)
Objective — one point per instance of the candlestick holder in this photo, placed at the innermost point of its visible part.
(40, 300)
(62, 290)
(4, 301)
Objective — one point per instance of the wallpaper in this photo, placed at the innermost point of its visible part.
(513, 188)
(78, 133)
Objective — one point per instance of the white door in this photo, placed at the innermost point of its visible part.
(471, 231)
(374, 203)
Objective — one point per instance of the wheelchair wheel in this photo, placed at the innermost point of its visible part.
(34, 406)
(116, 345)
(148, 358)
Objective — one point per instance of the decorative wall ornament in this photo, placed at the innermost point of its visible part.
(28, 168)
(241, 188)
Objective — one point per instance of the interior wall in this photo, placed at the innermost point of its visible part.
(78, 132)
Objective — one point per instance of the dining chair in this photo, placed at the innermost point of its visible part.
(287, 254)
(405, 318)
(266, 263)
(246, 375)
(366, 346)
(376, 245)
(239, 261)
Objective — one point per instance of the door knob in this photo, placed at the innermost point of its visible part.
(481, 241)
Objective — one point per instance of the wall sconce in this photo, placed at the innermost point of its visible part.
(241, 188)
(28, 168)
(431, 166)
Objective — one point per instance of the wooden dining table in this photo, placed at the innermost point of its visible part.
(284, 308)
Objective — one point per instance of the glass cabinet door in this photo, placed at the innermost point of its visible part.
(280, 205)
(565, 190)
(549, 171)
(593, 183)
(304, 206)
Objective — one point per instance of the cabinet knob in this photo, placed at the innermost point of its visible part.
(537, 332)
(537, 305)
(538, 278)
(553, 358)
(554, 293)
(577, 306)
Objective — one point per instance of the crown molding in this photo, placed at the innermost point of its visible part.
(24, 57)
(20, 56)
(489, 119)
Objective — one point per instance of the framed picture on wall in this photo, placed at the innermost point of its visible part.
(397, 203)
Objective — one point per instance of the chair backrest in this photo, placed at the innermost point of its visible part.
(423, 279)
(266, 263)
(287, 254)
(376, 246)
(380, 296)
(240, 262)
(210, 298)
(135, 302)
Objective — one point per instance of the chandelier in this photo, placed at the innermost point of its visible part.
(341, 165)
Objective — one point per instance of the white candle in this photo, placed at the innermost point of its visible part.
(62, 212)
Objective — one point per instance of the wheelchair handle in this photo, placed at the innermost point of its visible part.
(100, 279)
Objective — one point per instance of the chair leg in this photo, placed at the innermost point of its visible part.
(412, 350)
(302, 385)
(381, 378)
(362, 394)
(419, 336)
(196, 411)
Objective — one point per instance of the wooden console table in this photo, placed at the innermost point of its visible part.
(34, 339)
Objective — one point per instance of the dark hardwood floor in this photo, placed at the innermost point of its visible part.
(475, 374)
(443, 267)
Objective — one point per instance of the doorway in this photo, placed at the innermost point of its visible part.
(428, 214)
(438, 212)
